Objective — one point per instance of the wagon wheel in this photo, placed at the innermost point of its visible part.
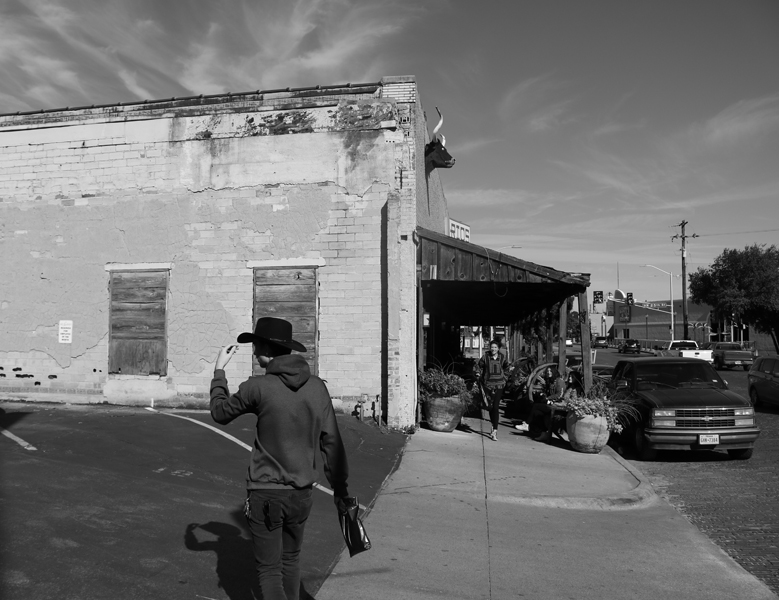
(535, 382)
(522, 372)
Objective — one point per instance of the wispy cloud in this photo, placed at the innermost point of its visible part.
(57, 53)
(471, 146)
(309, 42)
(564, 231)
(535, 104)
(614, 127)
(551, 116)
(507, 209)
(630, 181)
(735, 195)
(743, 120)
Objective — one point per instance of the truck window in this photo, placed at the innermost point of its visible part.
(677, 376)
(684, 346)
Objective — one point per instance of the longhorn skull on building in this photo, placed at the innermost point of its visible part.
(436, 154)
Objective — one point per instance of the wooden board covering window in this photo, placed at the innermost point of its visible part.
(289, 293)
(137, 338)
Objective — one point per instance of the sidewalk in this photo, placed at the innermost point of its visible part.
(466, 517)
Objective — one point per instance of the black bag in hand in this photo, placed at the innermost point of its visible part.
(352, 528)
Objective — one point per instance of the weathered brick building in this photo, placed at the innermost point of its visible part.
(138, 238)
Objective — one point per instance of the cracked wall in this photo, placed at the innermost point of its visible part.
(207, 195)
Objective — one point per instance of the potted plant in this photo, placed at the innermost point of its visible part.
(444, 397)
(593, 415)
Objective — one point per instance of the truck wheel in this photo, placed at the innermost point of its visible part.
(741, 453)
(754, 397)
(643, 451)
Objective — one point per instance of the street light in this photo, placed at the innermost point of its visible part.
(671, 281)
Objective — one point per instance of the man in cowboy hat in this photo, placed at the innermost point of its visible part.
(295, 420)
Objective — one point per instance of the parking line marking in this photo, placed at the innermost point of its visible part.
(18, 440)
(206, 425)
(321, 488)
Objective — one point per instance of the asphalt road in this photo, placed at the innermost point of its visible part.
(734, 502)
(124, 503)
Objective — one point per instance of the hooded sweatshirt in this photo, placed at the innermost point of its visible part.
(295, 421)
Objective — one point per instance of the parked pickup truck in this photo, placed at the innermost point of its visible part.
(682, 404)
(685, 349)
(731, 354)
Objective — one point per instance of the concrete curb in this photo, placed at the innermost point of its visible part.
(641, 496)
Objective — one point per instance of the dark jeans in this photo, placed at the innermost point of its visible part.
(494, 396)
(540, 419)
(277, 519)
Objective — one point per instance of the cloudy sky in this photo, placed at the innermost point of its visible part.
(584, 131)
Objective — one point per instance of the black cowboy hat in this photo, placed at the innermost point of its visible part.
(276, 331)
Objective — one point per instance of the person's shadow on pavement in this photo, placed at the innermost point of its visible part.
(234, 558)
(235, 566)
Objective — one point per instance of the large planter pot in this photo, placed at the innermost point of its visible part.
(587, 434)
(443, 414)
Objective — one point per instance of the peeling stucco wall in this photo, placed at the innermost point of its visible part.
(205, 194)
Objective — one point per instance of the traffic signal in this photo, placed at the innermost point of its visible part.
(597, 297)
(630, 298)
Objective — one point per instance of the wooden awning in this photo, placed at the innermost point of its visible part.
(467, 283)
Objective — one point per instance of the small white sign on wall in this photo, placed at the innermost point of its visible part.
(66, 332)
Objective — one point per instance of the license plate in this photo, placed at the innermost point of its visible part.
(708, 439)
(738, 362)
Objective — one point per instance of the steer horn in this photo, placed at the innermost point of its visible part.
(437, 127)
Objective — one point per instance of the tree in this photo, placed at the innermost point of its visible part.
(742, 285)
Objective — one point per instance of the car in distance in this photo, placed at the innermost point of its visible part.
(600, 342)
(682, 404)
(685, 349)
(763, 381)
(569, 343)
(730, 354)
(630, 345)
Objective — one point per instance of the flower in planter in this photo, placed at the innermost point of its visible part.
(600, 401)
(436, 382)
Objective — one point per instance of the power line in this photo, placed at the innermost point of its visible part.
(738, 232)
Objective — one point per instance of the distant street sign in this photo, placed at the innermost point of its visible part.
(655, 304)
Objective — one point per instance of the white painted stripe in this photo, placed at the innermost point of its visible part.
(207, 426)
(18, 440)
(321, 488)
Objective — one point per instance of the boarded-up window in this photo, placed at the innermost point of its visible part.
(137, 323)
(289, 294)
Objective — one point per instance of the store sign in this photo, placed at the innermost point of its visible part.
(459, 231)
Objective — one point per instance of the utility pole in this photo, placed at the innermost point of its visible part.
(684, 237)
